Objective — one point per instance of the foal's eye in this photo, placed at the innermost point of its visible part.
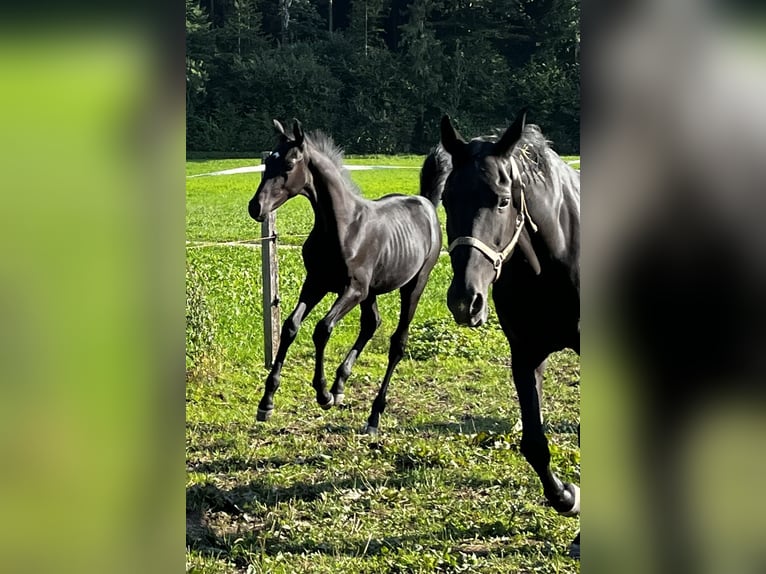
(504, 202)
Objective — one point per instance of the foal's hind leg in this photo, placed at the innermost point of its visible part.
(564, 497)
(308, 299)
(370, 321)
(410, 295)
(349, 299)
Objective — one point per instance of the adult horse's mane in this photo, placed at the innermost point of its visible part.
(332, 151)
(532, 152)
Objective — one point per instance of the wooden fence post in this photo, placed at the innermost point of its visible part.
(270, 282)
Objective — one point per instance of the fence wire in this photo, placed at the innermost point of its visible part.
(252, 243)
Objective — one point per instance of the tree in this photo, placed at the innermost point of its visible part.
(423, 60)
(383, 78)
(199, 49)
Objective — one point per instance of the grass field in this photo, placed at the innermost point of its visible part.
(442, 489)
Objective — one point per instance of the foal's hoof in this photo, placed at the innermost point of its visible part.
(368, 430)
(328, 405)
(574, 548)
(338, 399)
(263, 415)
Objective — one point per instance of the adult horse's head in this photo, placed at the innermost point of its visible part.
(485, 216)
(286, 173)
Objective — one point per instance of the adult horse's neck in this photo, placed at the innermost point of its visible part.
(333, 202)
(553, 202)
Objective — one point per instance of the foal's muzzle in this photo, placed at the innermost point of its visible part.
(254, 209)
(468, 306)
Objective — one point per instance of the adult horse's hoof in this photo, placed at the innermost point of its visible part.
(574, 548)
(338, 399)
(575, 510)
(263, 415)
(368, 430)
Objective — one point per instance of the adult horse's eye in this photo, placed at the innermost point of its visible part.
(504, 202)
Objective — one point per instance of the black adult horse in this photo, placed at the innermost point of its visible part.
(357, 248)
(501, 193)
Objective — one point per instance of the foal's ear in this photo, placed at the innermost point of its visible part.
(511, 135)
(280, 130)
(298, 133)
(451, 140)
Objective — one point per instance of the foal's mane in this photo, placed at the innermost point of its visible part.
(325, 145)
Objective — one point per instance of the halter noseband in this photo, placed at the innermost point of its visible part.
(498, 257)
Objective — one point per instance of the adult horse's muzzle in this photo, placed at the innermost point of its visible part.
(468, 306)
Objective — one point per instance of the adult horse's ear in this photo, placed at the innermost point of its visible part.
(511, 135)
(280, 130)
(298, 133)
(451, 140)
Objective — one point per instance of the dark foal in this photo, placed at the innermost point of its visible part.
(500, 194)
(357, 248)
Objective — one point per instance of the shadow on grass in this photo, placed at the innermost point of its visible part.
(236, 464)
(236, 501)
(236, 523)
(206, 500)
(254, 535)
(468, 425)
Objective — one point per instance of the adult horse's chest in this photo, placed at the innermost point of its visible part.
(543, 310)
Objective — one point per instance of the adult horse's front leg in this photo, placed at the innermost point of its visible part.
(539, 375)
(308, 299)
(349, 299)
(370, 321)
(564, 497)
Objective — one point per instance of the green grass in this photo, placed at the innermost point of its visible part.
(216, 206)
(442, 489)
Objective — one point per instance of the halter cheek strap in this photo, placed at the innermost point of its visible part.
(495, 257)
(498, 257)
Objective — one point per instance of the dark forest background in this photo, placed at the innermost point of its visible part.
(378, 74)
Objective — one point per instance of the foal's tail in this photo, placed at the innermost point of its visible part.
(433, 174)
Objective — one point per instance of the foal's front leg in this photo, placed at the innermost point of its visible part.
(349, 299)
(308, 299)
(564, 497)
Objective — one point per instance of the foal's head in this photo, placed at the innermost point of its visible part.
(480, 206)
(286, 173)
